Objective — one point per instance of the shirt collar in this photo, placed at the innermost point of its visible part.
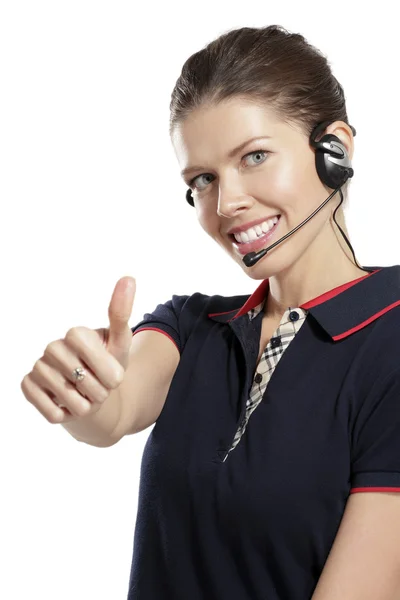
(340, 311)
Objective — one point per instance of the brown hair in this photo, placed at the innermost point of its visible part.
(265, 65)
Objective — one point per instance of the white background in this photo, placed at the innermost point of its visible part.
(90, 191)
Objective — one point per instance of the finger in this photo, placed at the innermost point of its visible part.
(119, 313)
(62, 359)
(85, 344)
(65, 392)
(42, 402)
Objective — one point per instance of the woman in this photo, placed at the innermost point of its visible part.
(285, 402)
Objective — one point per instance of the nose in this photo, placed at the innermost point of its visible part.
(230, 203)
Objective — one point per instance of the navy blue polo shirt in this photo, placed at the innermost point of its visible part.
(246, 472)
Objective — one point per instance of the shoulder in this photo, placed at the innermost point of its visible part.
(378, 357)
(384, 340)
(203, 304)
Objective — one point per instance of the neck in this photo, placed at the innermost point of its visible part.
(327, 263)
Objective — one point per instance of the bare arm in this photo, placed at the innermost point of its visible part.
(126, 383)
(153, 361)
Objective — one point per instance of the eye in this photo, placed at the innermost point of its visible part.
(191, 183)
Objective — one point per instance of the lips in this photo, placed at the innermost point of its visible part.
(257, 244)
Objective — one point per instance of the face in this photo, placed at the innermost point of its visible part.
(274, 175)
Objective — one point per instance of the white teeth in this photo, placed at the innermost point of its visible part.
(251, 234)
(254, 232)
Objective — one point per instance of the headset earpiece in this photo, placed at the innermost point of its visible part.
(189, 197)
(331, 159)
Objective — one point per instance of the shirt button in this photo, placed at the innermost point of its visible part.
(276, 341)
(258, 378)
(293, 315)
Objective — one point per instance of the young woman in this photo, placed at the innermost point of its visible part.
(283, 404)
(273, 468)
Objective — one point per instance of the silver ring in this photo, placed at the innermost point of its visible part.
(78, 374)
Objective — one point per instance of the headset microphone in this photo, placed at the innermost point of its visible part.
(334, 168)
(251, 258)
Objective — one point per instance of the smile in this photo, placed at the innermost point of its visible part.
(254, 245)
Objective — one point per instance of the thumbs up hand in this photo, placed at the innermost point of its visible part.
(103, 353)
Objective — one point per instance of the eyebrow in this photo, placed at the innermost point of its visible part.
(231, 154)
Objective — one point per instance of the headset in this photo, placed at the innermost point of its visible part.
(334, 169)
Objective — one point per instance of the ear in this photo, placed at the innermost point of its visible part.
(344, 133)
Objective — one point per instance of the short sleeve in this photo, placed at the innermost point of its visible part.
(165, 318)
(376, 438)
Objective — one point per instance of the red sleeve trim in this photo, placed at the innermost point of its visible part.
(374, 489)
(156, 329)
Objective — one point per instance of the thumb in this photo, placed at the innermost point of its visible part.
(119, 335)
